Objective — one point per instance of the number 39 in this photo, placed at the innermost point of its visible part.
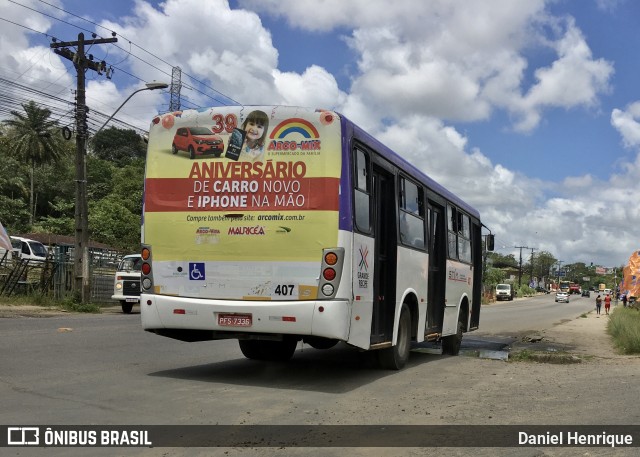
(284, 289)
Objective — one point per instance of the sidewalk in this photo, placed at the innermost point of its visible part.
(584, 336)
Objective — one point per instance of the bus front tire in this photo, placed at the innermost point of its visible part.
(451, 344)
(395, 357)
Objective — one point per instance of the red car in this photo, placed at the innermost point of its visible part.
(197, 141)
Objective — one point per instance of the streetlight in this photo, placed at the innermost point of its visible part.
(150, 86)
(82, 285)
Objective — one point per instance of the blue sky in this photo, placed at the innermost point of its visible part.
(525, 108)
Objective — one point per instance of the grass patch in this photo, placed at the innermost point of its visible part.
(624, 328)
(559, 357)
(28, 300)
(48, 302)
(74, 307)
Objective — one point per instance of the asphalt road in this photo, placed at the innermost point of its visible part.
(103, 369)
(531, 314)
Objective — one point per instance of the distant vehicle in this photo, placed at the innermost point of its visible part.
(586, 293)
(607, 291)
(562, 297)
(26, 249)
(504, 292)
(197, 141)
(542, 289)
(564, 286)
(126, 287)
(574, 288)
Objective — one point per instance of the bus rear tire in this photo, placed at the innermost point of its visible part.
(451, 344)
(395, 357)
(251, 349)
(276, 351)
(317, 342)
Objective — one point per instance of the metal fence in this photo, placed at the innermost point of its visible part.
(53, 277)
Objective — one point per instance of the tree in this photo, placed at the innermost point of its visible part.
(34, 138)
(118, 146)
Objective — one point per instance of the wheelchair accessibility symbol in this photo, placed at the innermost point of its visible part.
(196, 271)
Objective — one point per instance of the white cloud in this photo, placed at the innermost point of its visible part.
(316, 88)
(627, 123)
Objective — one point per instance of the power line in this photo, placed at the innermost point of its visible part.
(148, 52)
(111, 66)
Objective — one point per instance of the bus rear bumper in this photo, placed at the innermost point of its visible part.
(327, 319)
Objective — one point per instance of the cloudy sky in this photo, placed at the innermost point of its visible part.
(528, 109)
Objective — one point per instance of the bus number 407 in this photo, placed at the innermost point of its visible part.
(284, 289)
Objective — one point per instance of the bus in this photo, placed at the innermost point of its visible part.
(564, 286)
(307, 229)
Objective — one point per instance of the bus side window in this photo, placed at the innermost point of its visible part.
(452, 228)
(412, 216)
(464, 239)
(362, 182)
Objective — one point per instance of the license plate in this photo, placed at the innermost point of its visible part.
(132, 300)
(234, 320)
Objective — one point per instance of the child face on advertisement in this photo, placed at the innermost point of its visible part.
(254, 130)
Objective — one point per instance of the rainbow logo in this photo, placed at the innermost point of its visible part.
(294, 125)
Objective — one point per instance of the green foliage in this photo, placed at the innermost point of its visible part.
(624, 327)
(34, 139)
(111, 222)
(73, 306)
(525, 291)
(37, 170)
(99, 178)
(494, 276)
(498, 260)
(33, 136)
(118, 146)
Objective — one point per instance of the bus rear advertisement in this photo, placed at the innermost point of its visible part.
(304, 229)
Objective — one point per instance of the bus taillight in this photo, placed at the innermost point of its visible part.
(331, 258)
(329, 274)
(147, 277)
(331, 271)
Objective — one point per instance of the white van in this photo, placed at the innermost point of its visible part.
(126, 287)
(26, 249)
(504, 292)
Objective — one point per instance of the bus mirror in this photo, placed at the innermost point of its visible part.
(490, 242)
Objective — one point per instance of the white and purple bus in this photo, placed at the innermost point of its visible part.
(306, 229)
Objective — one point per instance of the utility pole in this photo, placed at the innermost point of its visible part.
(82, 285)
(532, 249)
(520, 268)
(176, 85)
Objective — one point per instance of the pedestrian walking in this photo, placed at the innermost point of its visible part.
(598, 304)
(607, 304)
(624, 300)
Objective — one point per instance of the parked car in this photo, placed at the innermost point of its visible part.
(586, 293)
(197, 141)
(542, 289)
(126, 287)
(504, 292)
(562, 297)
(26, 249)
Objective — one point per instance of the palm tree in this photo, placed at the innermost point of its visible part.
(34, 138)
